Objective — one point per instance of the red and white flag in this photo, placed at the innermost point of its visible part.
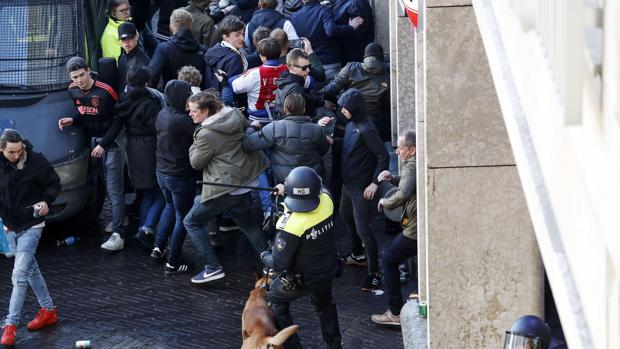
(411, 8)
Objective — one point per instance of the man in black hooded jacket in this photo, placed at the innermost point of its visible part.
(181, 50)
(363, 157)
(175, 175)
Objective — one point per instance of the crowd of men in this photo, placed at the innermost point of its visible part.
(242, 94)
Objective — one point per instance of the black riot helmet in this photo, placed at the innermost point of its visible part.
(528, 332)
(302, 187)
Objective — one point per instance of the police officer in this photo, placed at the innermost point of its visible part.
(304, 252)
(528, 332)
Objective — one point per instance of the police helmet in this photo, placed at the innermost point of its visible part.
(302, 187)
(528, 332)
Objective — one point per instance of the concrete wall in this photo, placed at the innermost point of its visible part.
(569, 165)
(482, 263)
(382, 30)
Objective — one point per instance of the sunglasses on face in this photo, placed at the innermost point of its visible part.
(302, 67)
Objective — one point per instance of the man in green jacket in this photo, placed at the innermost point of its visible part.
(405, 244)
(217, 152)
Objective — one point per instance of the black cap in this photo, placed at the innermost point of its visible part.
(374, 50)
(127, 30)
(75, 63)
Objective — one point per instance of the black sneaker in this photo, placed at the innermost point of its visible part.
(146, 237)
(157, 254)
(351, 259)
(170, 269)
(216, 239)
(372, 282)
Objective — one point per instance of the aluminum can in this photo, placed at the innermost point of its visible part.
(35, 210)
(422, 309)
(82, 344)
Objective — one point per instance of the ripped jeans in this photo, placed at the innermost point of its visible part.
(26, 272)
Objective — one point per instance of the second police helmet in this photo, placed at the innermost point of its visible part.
(302, 187)
(528, 332)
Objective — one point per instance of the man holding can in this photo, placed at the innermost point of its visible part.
(28, 185)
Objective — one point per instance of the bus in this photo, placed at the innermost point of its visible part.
(37, 37)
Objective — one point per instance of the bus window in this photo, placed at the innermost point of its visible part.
(37, 38)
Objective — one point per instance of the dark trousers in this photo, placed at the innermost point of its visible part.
(398, 251)
(356, 213)
(320, 296)
(238, 206)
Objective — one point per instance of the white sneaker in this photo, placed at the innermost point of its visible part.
(114, 243)
(108, 227)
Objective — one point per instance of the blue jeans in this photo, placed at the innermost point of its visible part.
(178, 193)
(238, 206)
(397, 251)
(265, 196)
(115, 185)
(356, 213)
(151, 206)
(26, 272)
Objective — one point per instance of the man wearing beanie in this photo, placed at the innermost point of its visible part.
(369, 77)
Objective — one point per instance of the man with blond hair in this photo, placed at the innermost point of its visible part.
(181, 50)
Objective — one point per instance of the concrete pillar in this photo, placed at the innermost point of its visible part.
(402, 65)
(483, 265)
(381, 10)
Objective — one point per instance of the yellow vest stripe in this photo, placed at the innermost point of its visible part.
(298, 222)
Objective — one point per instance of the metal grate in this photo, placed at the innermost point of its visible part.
(37, 37)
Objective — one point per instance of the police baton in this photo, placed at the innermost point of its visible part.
(238, 186)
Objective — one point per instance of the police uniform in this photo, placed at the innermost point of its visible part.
(304, 251)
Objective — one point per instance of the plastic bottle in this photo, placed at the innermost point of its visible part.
(413, 327)
(69, 240)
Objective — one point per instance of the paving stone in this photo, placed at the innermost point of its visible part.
(123, 300)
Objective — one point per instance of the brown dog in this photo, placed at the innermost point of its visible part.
(258, 325)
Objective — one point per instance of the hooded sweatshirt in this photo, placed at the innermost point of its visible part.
(174, 132)
(171, 56)
(363, 154)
